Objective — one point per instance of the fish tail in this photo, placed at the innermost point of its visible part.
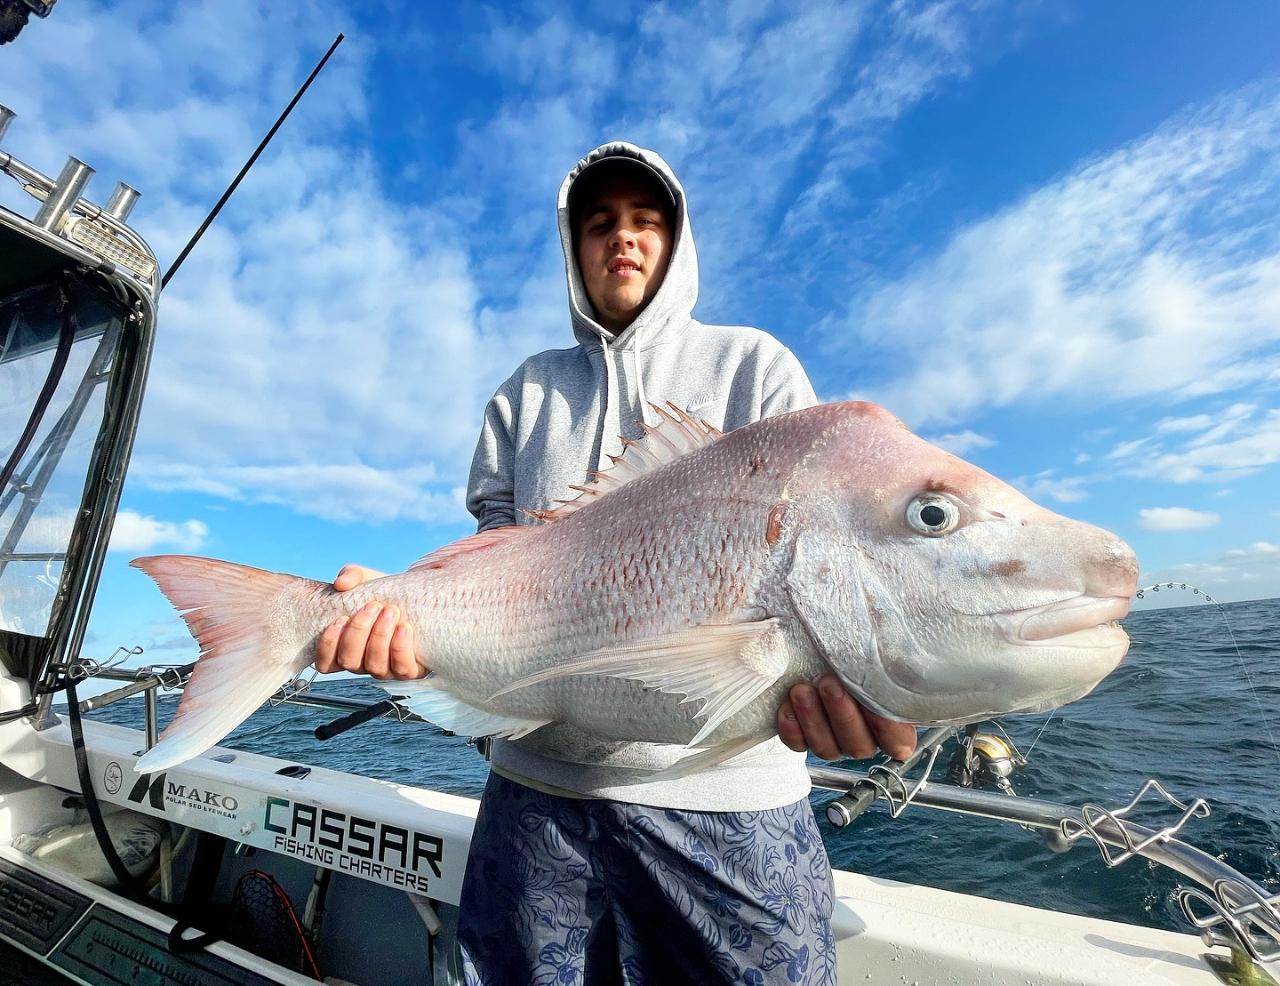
(247, 650)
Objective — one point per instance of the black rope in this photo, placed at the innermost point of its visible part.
(130, 885)
(65, 337)
(32, 707)
(206, 863)
(13, 715)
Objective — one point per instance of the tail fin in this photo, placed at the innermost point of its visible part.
(244, 657)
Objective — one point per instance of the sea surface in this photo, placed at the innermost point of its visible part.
(1180, 708)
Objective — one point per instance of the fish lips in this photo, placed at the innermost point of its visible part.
(1082, 620)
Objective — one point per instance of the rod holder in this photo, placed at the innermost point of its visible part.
(122, 201)
(6, 118)
(66, 190)
(152, 716)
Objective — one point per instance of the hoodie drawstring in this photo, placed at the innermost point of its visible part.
(644, 403)
(613, 399)
(610, 395)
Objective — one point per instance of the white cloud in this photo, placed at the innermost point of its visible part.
(351, 492)
(1065, 489)
(1152, 270)
(960, 442)
(1196, 422)
(1125, 450)
(1177, 519)
(1225, 422)
(1240, 443)
(135, 533)
(1258, 548)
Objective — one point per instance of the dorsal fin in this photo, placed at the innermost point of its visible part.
(675, 435)
(476, 542)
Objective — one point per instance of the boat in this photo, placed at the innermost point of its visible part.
(237, 867)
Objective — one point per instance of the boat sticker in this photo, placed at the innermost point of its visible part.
(157, 790)
(113, 778)
(363, 847)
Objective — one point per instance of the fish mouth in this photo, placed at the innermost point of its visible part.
(1080, 621)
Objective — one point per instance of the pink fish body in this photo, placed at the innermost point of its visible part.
(690, 585)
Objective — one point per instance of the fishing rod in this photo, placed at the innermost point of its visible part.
(235, 183)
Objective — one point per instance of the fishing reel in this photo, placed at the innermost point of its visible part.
(984, 760)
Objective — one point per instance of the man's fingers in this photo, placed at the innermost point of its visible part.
(404, 661)
(789, 728)
(845, 716)
(813, 720)
(377, 651)
(327, 647)
(348, 578)
(355, 638)
(354, 575)
(898, 739)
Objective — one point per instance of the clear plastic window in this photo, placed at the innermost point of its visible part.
(40, 501)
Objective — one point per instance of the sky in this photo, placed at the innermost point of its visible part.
(1046, 235)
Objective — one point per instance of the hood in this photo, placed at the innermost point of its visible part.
(672, 306)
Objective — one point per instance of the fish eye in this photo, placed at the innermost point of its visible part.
(933, 515)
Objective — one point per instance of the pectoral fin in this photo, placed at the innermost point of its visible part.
(724, 666)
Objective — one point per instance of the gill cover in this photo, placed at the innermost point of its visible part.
(827, 584)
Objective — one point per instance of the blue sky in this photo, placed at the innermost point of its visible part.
(1046, 235)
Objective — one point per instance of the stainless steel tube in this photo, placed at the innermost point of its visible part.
(71, 181)
(121, 202)
(152, 717)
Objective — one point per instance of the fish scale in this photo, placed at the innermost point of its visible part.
(686, 588)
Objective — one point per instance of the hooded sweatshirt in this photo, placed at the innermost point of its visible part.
(562, 413)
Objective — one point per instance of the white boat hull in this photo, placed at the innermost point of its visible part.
(885, 932)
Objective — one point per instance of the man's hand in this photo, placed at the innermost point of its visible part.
(373, 641)
(831, 723)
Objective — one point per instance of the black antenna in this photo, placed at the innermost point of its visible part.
(247, 165)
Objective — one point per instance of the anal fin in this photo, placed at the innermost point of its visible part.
(701, 759)
(430, 699)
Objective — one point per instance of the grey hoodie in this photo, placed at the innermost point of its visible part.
(562, 413)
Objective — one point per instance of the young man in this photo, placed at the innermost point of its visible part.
(580, 869)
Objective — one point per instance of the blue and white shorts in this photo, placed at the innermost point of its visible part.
(566, 891)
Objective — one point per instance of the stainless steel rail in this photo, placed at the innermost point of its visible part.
(1244, 900)
(169, 678)
(1047, 816)
(139, 681)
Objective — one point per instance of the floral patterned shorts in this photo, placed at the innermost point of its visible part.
(566, 891)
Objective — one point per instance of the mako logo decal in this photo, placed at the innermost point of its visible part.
(157, 790)
(361, 846)
(151, 788)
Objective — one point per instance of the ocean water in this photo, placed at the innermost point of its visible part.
(1179, 709)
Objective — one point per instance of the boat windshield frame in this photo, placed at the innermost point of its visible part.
(83, 331)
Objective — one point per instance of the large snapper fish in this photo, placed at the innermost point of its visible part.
(688, 587)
